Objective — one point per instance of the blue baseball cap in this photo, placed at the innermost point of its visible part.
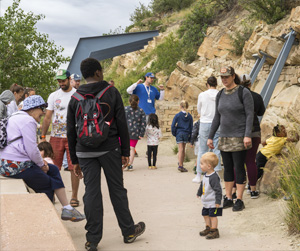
(34, 101)
(75, 77)
(150, 74)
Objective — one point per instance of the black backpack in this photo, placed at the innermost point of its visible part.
(91, 127)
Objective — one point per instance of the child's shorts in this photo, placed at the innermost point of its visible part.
(182, 138)
(133, 142)
(212, 212)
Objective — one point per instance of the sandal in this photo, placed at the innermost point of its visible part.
(74, 203)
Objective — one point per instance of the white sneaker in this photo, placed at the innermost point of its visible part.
(197, 179)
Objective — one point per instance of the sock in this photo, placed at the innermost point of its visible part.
(68, 207)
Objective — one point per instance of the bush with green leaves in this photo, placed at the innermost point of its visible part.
(140, 13)
(168, 54)
(269, 11)
(290, 184)
(164, 6)
(240, 37)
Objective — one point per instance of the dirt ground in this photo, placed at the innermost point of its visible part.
(166, 201)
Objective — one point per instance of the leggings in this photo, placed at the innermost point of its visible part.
(234, 161)
(152, 149)
(250, 161)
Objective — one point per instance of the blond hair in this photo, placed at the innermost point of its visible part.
(184, 104)
(210, 158)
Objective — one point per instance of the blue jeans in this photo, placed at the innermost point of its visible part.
(203, 148)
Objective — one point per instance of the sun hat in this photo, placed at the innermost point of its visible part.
(34, 101)
(62, 74)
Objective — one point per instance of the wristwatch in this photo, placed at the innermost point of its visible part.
(42, 137)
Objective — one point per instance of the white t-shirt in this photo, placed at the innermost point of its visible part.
(58, 102)
(206, 105)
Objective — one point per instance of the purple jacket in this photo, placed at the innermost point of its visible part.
(25, 148)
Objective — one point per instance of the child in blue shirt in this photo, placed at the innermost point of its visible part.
(181, 128)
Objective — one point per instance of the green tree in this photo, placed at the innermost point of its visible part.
(27, 57)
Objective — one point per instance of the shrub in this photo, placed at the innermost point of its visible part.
(164, 6)
(175, 149)
(239, 38)
(168, 54)
(290, 184)
(140, 13)
(269, 11)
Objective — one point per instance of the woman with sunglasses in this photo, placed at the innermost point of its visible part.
(234, 115)
(21, 158)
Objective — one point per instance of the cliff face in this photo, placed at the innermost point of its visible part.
(188, 80)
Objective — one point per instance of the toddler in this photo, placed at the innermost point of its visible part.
(210, 191)
(46, 151)
(153, 133)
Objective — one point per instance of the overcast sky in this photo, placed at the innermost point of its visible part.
(68, 20)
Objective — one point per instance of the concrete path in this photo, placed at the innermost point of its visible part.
(166, 201)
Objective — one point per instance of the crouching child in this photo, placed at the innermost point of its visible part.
(210, 191)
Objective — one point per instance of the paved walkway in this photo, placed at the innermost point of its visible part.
(166, 201)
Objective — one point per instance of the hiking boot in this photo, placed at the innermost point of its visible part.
(72, 215)
(205, 231)
(182, 169)
(213, 234)
(254, 194)
(138, 230)
(130, 168)
(91, 246)
(238, 205)
(227, 202)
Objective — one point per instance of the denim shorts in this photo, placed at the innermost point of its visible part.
(182, 138)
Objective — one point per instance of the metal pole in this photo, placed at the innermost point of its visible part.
(257, 57)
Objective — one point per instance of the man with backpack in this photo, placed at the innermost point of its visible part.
(58, 102)
(98, 138)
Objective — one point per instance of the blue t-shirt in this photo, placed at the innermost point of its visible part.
(141, 92)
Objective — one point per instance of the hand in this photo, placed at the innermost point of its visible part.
(161, 87)
(247, 142)
(45, 167)
(140, 137)
(191, 145)
(217, 205)
(77, 171)
(140, 81)
(210, 144)
(125, 161)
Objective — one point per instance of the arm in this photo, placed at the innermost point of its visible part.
(190, 126)
(173, 126)
(71, 130)
(199, 193)
(249, 111)
(214, 182)
(199, 104)
(131, 88)
(295, 138)
(46, 122)
(143, 123)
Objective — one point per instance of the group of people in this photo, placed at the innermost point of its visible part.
(228, 127)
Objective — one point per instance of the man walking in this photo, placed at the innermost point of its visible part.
(58, 102)
(111, 155)
(147, 93)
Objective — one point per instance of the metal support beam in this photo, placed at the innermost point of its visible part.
(103, 47)
(258, 58)
(273, 77)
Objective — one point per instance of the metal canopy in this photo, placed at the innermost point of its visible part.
(103, 47)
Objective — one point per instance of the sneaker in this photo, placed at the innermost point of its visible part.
(254, 194)
(205, 231)
(197, 179)
(149, 167)
(238, 205)
(227, 203)
(138, 230)
(91, 246)
(154, 167)
(234, 196)
(72, 215)
(130, 168)
(213, 234)
(182, 169)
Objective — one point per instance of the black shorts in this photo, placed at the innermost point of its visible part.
(212, 212)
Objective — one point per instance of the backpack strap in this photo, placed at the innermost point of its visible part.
(240, 94)
(218, 97)
(100, 94)
(78, 96)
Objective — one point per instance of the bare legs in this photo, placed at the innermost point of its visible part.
(181, 153)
